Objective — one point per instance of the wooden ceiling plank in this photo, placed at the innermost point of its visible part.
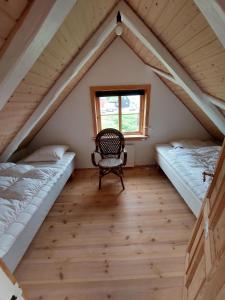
(184, 16)
(139, 29)
(39, 26)
(156, 10)
(13, 8)
(190, 32)
(143, 7)
(89, 50)
(7, 24)
(173, 7)
(214, 12)
(203, 53)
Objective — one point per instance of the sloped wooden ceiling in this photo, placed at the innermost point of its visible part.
(148, 58)
(77, 28)
(11, 13)
(68, 89)
(177, 23)
(185, 32)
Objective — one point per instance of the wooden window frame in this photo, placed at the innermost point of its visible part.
(144, 109)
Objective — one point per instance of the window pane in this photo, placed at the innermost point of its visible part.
(109, 105)
(131, 104)
(110, 121)
(130, 122)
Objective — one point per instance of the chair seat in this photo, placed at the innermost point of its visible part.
(110, 162)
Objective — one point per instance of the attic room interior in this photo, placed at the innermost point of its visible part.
(112, 151)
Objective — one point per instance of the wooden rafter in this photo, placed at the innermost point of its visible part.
(214, 12)
(219, 103)
(151, 42)
(41, 23)
(142, 32)
(164, 74)
(90, 49)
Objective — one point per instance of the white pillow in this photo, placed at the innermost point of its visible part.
(190, 143)
(47, 153)
(16, 170)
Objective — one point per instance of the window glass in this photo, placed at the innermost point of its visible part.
(130, 113)
(109, 112)
(125, 108)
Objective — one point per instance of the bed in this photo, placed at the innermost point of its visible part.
(184, 166)
(21, 227)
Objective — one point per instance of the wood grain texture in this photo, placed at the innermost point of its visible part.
(185, 32)
(110, 244)
(11, 13)
(78, 27)
(68, 90)
(205, 267)
(177, 23)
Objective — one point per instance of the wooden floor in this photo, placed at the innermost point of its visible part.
(110, 244)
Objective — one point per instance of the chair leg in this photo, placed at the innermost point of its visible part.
(121, 179)
(100, 179)
(100, 182)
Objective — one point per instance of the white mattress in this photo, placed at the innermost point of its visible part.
(189, 164)
(16, 238)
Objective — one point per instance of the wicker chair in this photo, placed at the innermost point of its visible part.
(110, 145)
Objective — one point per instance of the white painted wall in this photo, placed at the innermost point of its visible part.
(72, 123)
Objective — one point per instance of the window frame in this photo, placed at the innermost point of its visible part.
(144, 109)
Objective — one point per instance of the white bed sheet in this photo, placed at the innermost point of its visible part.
(189, 165)
(15, 240)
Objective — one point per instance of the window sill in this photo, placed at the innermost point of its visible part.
(134, 137)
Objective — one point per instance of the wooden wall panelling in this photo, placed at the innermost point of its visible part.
(77, 28)
(210, 280)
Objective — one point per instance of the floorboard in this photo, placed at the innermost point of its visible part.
(110, 244)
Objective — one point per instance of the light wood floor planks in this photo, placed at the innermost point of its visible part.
(110, 244)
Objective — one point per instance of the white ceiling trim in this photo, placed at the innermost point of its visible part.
(219, 103)
(165, 75)
(141, 31)
(214, 12)
(151, 42)
(41, 23)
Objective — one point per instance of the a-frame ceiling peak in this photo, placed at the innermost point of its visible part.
(150, 41)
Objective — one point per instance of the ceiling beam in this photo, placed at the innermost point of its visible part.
(164, 74)
(151, 42)
(89, 50)
(214, 12)
(41, 23)
(142, 32)
(219, 103)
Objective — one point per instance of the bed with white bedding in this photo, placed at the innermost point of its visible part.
(27, 192)
(184, 166)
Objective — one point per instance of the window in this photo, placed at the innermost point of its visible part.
(125, 108)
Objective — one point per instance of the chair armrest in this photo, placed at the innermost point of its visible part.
(124, 157)
(93, 158)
